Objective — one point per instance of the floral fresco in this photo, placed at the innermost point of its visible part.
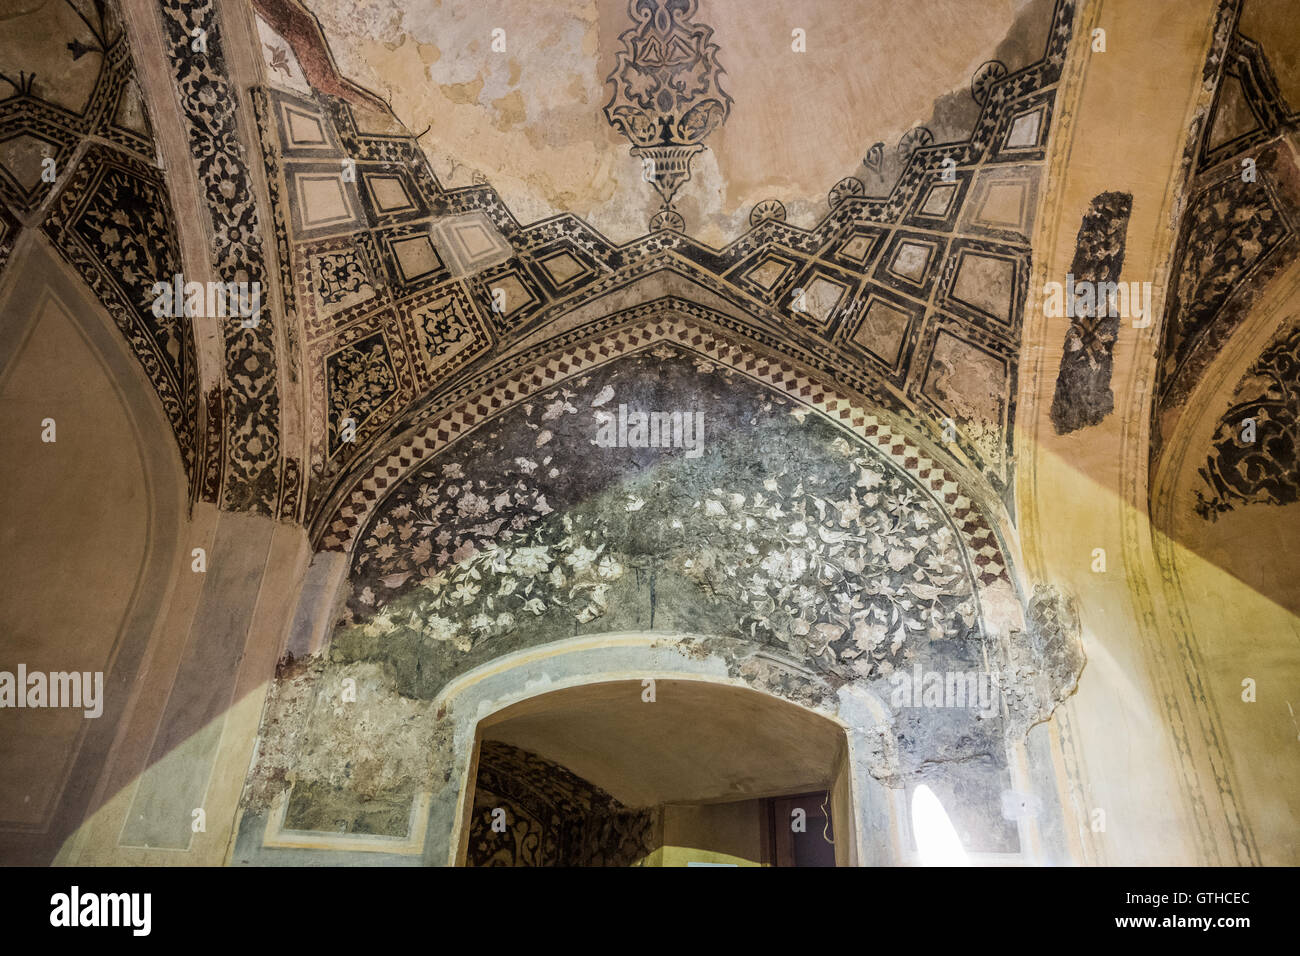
(784, 532)
(1254, 458)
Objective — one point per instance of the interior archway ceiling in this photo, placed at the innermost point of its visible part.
(414, 296)
(529, 119)
(1238, 232)
(911, 291)
(78, 162)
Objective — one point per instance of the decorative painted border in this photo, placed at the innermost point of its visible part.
(252, 470)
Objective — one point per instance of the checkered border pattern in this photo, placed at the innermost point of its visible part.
(978, 537)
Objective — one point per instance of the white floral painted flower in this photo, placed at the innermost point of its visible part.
(786, 565)
(899, 559)
(556, 409)
(494, 556)
(535, 605)
(868, 478)
(580, 559)
(452, 470)
(526, 465)
(508, 586)
(868, 636)
(434, 581)
(634, 503)
(829, 633)
(472, 505)
(439, 628)
(850, 511)
(380, 624)
(531, 560)
(610, 568)
(465, 591)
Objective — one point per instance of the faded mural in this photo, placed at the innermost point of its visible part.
(782, 532)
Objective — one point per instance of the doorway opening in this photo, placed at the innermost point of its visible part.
(658, 773)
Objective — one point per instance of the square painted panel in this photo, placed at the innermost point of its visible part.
(390, 195)
(563, 268)
(321, 201)
(1002, 202)
(560, 268)
(472, 242)
(446, 332)
(304, 131)
(986, 282)
(509, 295)
(1021, 134)
(1024, 130)
(412, 258)
(882, 327)
(766, 273)
(416, 257)
(911, 262)
(939, 202)
(855, 248)
(819, 297)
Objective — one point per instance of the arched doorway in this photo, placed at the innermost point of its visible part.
(658, 773)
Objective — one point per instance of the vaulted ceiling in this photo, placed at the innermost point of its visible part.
(452, 208)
